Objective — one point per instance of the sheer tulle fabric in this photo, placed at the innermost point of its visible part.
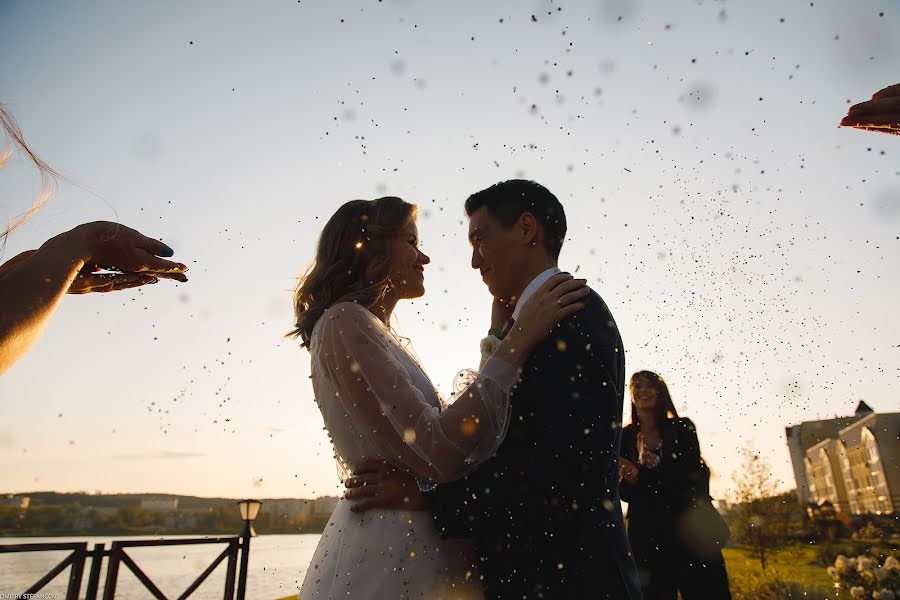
(378, 403)
(383, 554)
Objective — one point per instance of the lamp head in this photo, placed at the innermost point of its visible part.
(249, 509)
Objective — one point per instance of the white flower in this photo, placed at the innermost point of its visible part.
(863, 563)
(892, 564)
(840, 563)
(833, 573)
(857, 592)
(883, 594)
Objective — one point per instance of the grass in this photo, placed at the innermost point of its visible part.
(792, 572)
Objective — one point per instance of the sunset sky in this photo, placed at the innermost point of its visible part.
(746, 245)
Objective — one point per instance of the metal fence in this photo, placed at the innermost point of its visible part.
(117, 557)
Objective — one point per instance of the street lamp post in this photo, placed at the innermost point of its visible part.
(249, 511)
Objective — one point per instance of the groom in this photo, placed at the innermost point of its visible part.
(544, 513)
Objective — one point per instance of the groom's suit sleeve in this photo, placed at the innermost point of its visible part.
(563, 438)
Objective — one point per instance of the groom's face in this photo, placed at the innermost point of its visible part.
(494, 254)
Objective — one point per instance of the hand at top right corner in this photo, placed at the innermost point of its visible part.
(881, 113)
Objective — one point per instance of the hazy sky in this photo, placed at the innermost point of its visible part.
(746, 245)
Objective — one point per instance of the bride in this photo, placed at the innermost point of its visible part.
(378, 403)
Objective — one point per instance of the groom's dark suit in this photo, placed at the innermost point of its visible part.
(544, 513)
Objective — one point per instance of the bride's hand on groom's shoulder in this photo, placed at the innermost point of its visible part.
(377, 484)
(559, 297)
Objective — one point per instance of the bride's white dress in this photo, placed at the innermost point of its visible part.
(378, 403)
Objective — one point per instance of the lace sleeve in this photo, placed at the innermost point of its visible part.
(376, 391)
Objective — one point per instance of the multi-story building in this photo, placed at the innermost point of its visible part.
(851, 462)
(823, 468)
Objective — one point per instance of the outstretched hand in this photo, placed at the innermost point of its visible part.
(93, 257)
(114, 247)
(116, 258)
(881, 113)
(377, 484)
(89, 282)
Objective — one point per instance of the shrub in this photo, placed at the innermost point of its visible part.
(868, 532)
(827, 551)
(769, 585)
(862, 578)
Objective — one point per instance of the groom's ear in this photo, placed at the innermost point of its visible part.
(530, 228)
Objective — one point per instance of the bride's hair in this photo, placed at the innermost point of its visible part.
(49, 177)
(352, 262)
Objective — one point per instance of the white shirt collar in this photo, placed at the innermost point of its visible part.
(532, 287)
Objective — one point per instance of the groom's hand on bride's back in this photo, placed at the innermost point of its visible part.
(377, 484)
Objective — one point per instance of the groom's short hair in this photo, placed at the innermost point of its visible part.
(507, 200)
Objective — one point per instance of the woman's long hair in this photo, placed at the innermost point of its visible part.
(352, 261)
(49, 176)
(665, 409)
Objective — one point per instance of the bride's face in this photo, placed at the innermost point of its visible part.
(408, 263)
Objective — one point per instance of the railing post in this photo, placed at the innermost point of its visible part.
(94, 576)
(245, 557)
(232, 567)
(112, 572)
(76, 572)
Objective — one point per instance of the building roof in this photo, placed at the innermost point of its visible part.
(813, 432)
(851, 435)
(863, 408)
(884, 426)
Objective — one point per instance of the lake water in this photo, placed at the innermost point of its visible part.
(277, 566)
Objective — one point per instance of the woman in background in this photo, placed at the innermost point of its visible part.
(672, 531)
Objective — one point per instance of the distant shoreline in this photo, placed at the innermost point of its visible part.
(53, 514)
